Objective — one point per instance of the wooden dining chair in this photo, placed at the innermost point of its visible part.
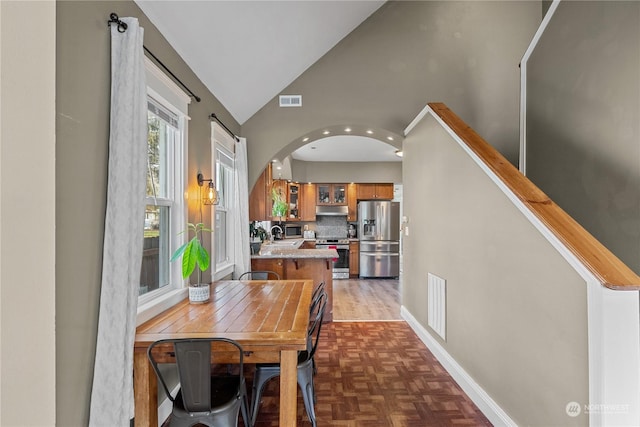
(203, 397)
(266, 371)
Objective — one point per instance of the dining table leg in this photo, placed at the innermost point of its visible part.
(288, 387)
(145, 391)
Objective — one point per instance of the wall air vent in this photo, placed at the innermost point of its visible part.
(291, 100)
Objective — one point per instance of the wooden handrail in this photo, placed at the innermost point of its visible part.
(604, 265)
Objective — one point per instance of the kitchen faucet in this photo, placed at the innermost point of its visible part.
(271, 231)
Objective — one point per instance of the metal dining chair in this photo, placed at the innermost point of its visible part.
(265, 372)
(260, 275)
(203, 397)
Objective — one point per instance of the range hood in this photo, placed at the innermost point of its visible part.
(332, 210)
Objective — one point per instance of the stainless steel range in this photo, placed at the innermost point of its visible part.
(341, 264)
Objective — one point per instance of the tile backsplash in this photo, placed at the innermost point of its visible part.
(331, 226)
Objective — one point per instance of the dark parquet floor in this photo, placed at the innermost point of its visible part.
(377, 374)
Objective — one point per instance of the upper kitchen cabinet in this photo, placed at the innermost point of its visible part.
(295, 199)
(352, 202)
(331, 194)
(259, 201)
(375, 191)
(307, 202)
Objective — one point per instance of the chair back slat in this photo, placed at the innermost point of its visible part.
(194, 369)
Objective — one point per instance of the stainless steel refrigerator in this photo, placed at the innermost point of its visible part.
(379, 234)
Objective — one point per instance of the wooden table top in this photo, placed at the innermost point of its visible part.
(272, 313)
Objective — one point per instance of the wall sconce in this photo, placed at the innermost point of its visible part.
(211, 197)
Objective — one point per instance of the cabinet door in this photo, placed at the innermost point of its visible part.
(294, 198)
(384, 191)
(323, 193)
(339, 193)
(366, 191)
(308, 202)
(258, 199)
(354, 259)
(352, 202)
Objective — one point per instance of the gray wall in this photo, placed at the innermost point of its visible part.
(516, 311)
(340, 172)
(83, 80)
(583, 133)
(406, 54)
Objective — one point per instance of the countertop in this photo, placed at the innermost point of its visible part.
(289, 248)
(297, 253)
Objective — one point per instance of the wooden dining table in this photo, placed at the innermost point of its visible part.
(269, 318)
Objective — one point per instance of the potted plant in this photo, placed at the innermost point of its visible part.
(258, 235)
(194, 254)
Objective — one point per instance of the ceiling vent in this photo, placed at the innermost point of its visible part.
(291, 100)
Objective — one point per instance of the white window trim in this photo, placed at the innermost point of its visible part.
(221, 139)
(164, 90)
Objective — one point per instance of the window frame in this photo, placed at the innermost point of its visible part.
(222, 141)
(166, 93)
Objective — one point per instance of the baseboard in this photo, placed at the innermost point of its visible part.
(482, 400)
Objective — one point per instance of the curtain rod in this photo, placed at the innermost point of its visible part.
(214, 117)
(122, 27)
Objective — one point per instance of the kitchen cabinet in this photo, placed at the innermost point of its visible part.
(354, 259)
(308, 202)
(259, 202)
(352, 202)
(294, 199)
(331, 194)
(375, 191)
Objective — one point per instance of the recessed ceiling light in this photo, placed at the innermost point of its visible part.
(399, 153)
(369, 131)
(326, 132)
(305, 139)
(390, 138)
(274, 161)
(278, 167)
(347, 129)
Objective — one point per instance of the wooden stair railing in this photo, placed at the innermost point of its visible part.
(604, 265)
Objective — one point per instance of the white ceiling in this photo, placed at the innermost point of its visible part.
(347, 148)
(247, 52)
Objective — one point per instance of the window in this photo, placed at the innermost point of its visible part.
(165, 205)
(223, 149)
(224, 186)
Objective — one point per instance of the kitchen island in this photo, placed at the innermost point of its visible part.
(285, 258)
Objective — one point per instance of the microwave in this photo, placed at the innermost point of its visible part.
(292, 231)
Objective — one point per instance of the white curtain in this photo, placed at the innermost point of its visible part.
(241, 201)
(112, 393)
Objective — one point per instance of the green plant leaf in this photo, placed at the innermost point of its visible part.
(189, 257)
(203, 258)
(179, 252)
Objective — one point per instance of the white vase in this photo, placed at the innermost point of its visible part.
(199, 294)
